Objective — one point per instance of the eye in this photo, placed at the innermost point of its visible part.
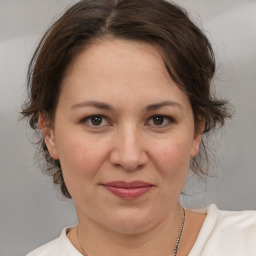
(95, 121)
(160, 120)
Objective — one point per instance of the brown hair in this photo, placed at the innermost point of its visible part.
(187, 55)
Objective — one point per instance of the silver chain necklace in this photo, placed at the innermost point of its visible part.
(175, 251)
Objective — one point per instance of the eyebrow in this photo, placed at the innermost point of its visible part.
(105, 106)
(99, 105)
(163, 104)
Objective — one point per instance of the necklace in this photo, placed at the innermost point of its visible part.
(175, 251)
(84, 253)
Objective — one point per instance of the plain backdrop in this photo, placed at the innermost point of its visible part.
(32, 212)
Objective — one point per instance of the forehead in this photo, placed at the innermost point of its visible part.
(120, 68)
(106, 54)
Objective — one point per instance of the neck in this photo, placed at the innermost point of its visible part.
(158, 240)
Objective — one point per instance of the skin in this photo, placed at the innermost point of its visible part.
(126, 85)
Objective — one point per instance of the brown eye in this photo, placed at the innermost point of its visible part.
(158, 120)
(96, 120)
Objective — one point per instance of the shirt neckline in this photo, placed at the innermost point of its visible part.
(198, 246)
(206, 229)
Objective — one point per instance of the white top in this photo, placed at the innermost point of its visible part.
(224, 233)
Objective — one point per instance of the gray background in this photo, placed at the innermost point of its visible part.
(31, 211)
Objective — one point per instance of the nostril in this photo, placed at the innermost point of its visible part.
(127, 163)
(128, 151)
(133, 168)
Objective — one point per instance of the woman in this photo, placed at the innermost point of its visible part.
(121, 93)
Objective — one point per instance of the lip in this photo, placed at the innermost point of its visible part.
(128, 190)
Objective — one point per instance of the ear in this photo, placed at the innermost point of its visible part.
(197, 139)
(48, 134)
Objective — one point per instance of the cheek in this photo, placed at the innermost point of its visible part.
(80, 159)
(173, 156)
(172, 160)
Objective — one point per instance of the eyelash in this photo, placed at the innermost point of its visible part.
(88, 119)
(169, 120)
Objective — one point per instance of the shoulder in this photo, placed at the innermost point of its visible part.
(225, 232)
(239, 222)
(58, 246)
(46, 249)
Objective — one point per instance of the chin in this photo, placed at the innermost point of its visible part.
(133, 222)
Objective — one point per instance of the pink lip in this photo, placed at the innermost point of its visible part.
(128, 190)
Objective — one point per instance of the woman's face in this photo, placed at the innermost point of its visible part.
(124, 135)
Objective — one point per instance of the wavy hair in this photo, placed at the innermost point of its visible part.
(187, 55)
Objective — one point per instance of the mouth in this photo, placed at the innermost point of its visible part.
(128, 190)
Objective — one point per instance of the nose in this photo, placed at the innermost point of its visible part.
(128, 151)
